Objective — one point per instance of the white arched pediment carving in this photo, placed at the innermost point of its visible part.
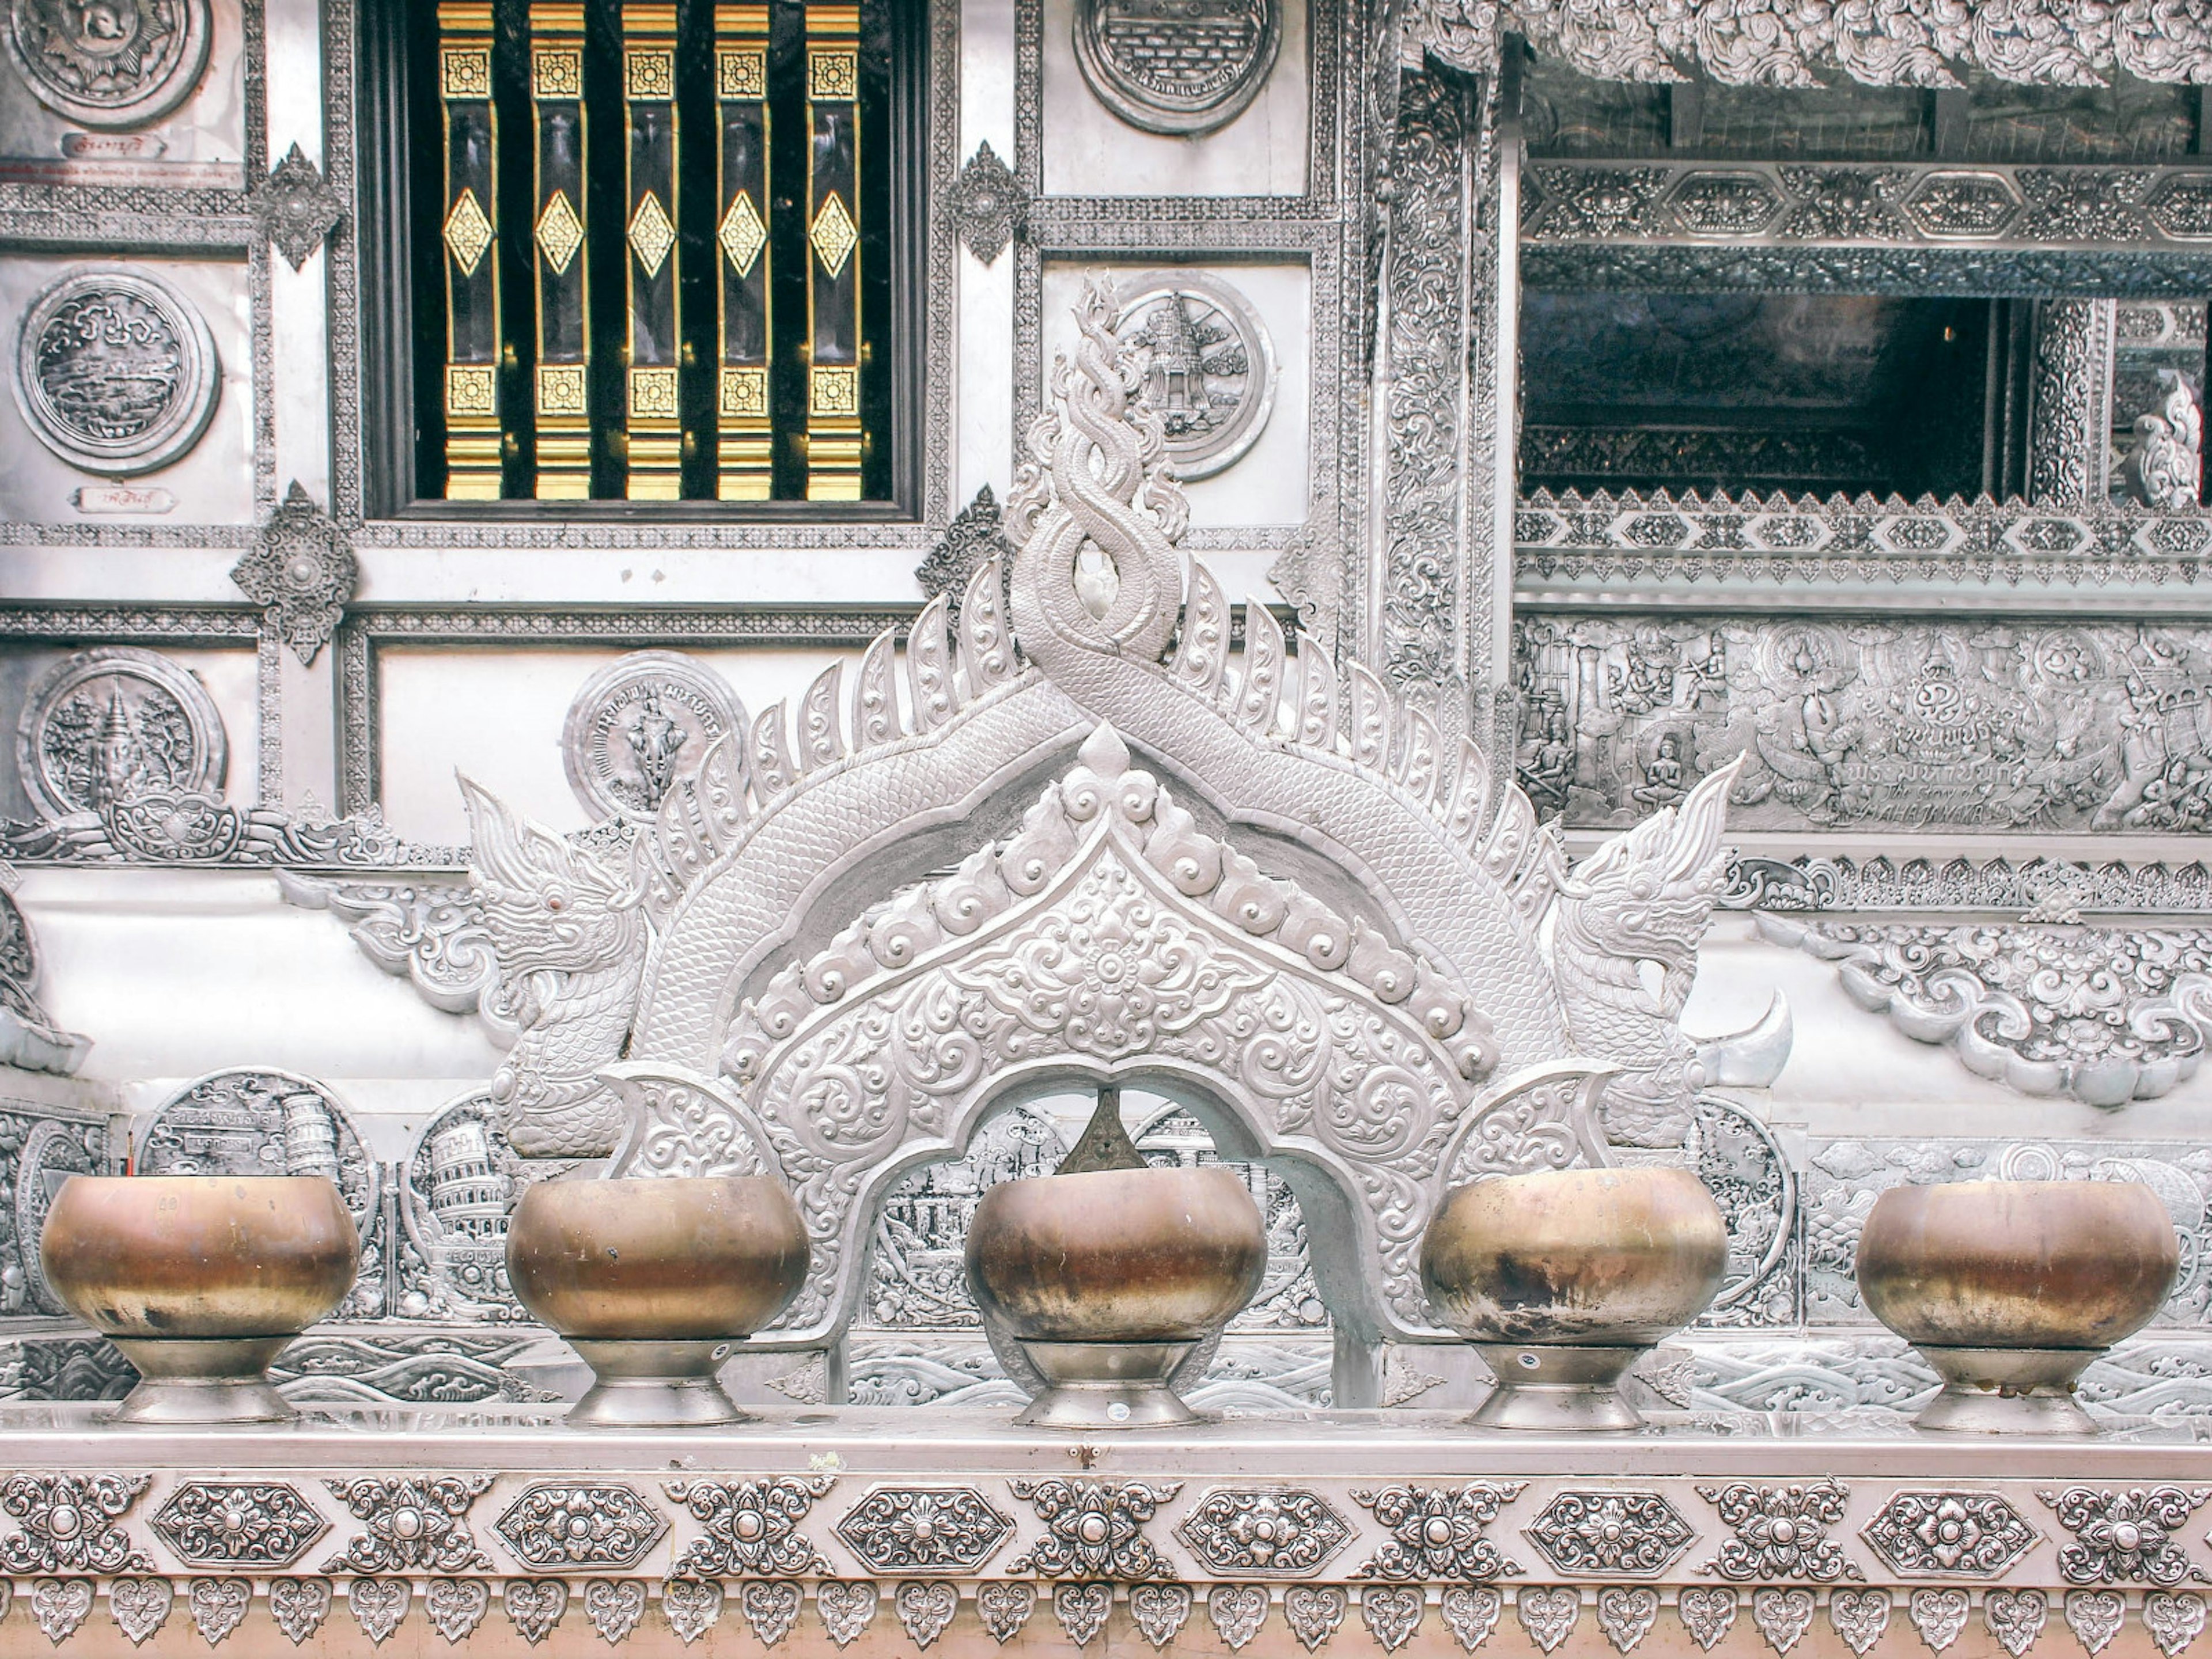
(1109, 938)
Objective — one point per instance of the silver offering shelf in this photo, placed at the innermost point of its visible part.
(1357, 1527)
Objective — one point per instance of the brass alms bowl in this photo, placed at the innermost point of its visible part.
(1562, 1281)
(1108, 1280)
(652, 1281)
(201, 1281)
(2011, 1288)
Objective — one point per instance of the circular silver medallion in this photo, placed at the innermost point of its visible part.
(109, 63)
(116, 372)
(1179, 67)
(109, 726)
(1208, 365)
(641, 725)
(261, 1121)
(463, 1180)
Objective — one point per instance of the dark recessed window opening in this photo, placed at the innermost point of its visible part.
(1802, 394)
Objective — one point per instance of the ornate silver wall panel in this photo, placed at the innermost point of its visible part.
(640, 725)
(1184, 69)
(2052, 43)
(116, 372)
(461, 1183)
(1923, 725)
(109, 66)
(2057, 889)
(110, 725)
(1902, 205)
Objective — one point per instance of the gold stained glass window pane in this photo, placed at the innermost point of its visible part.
(560, 232)
(834, 234)
(651, 235)
(742, 234)
(468, 233)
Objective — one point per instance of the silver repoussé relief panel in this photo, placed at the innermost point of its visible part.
(109, 725)
(2059, 43)
(2104, 1014)
(109, 65)
(37, 1152)
(639, 724)
(263, 1122)
(1896, 205)
(1208, 363)
(115, 371)
(2071, 726)
(1184, 70)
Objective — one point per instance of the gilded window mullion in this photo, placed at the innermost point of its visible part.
(562, 270)
(833, 387)
(654, 426)
(746, 448)
(470, 231)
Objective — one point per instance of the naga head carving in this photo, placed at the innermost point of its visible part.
(548, 905)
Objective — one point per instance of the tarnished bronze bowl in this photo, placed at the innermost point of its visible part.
(1108, 1279)
(1560, 1281)
(201, 1280)
(2010, 1288)
(652, 1282)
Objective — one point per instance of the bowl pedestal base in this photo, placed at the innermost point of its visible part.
(203, 1380)
(1557, 1387)
(2008, 1391)
(650, 1383)
(1106, 1385)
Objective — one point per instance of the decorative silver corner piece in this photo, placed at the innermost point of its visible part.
(303, 570)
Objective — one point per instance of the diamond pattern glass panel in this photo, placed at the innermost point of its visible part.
(651, 235)
(468, 233)
(834, 234)
(742, 234)
(559, 233)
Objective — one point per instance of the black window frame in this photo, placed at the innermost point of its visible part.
(389, 118)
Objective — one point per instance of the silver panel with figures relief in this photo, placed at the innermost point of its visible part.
(262, 1121)
(114, 724)
(1207, 363)
(116, 372)
(1179, 67)
(109, 63)
(640, 725)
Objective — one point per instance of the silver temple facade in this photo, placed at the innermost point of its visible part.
(1624, 388)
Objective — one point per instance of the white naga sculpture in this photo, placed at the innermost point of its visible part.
(1090, 843)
